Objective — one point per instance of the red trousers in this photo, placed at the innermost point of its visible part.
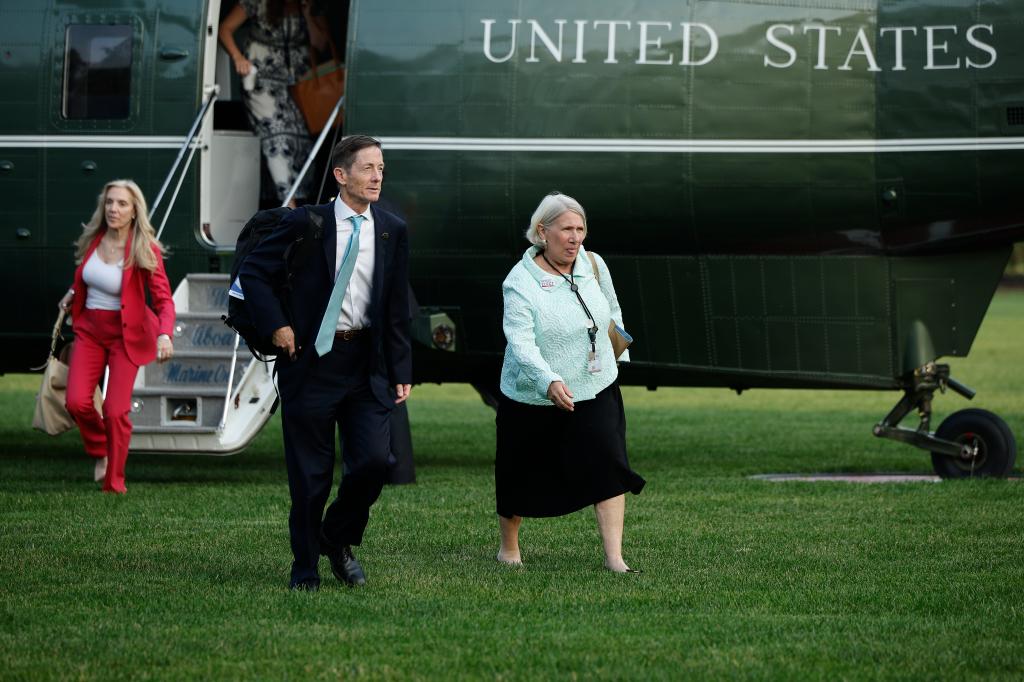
(99, 344)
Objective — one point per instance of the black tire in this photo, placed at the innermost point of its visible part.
(996, 448)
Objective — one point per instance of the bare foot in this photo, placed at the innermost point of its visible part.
(510, 558)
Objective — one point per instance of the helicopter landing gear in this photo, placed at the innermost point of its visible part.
(968, 443)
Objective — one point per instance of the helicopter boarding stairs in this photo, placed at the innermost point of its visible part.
(179, 406)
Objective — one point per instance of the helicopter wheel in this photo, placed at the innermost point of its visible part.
(993, 447)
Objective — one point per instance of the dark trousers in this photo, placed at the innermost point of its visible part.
(336, 390)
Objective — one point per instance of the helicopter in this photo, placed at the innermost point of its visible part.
(816, 195)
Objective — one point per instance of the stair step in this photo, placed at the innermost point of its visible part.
(181, 391)
(176, 412)
(203, 369)
(208, 277)
(208, 292)
(203, 353)
(205, 331)
(208, 316)
(173, 429)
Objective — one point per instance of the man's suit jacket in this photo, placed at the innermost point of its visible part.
(391, 351)
(139, 324)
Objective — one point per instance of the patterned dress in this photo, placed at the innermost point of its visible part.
(281, 55)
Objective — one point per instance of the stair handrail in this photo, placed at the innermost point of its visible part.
(203, 113)
(231, 381)
(211, 96)
(177, 189)
(316, 148)
(291, 194)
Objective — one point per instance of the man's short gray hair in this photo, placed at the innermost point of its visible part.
(552, 206)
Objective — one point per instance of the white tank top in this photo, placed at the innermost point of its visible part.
(104, 283)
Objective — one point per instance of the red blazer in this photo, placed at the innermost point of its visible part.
(139, 323)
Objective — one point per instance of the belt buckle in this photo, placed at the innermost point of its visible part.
(347, 334)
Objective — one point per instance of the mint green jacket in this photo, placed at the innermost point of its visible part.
(546, 330)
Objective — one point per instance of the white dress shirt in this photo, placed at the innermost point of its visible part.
(355, 308)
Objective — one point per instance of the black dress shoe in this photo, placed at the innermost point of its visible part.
(307, 585)
(345, 566)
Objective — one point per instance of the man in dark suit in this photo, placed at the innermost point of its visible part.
(344, 332)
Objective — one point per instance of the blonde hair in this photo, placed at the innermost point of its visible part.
(552, 206)
(143, 236)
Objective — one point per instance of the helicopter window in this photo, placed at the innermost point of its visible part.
(97, 71)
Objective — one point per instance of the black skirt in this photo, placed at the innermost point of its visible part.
(550, 462)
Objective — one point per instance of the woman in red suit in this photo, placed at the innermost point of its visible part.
(119, 259)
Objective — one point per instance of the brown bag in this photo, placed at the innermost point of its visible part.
(319, 90)
(620, 340)
(51, 414)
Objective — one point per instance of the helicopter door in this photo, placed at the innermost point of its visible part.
(235, 161)
(230, 163)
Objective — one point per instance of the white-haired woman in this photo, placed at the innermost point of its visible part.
(561, 429)
(119, 260)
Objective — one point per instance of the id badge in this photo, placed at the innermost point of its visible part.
(593, 363)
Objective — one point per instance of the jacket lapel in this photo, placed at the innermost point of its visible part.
(380, 245)
(330, 236)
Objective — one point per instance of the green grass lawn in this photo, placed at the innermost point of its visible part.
(186, 576)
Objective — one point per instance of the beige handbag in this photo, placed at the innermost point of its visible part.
(51, 415)
(618, 336)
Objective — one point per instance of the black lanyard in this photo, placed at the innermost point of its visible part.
(570, 278)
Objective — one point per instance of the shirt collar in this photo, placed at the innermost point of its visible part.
(342, 213)
(581, 270)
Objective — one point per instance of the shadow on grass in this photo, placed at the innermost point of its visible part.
(467, 461)
(32, 464)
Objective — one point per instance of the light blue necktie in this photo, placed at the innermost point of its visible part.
(325, 337)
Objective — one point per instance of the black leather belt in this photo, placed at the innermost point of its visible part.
(347, 334)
